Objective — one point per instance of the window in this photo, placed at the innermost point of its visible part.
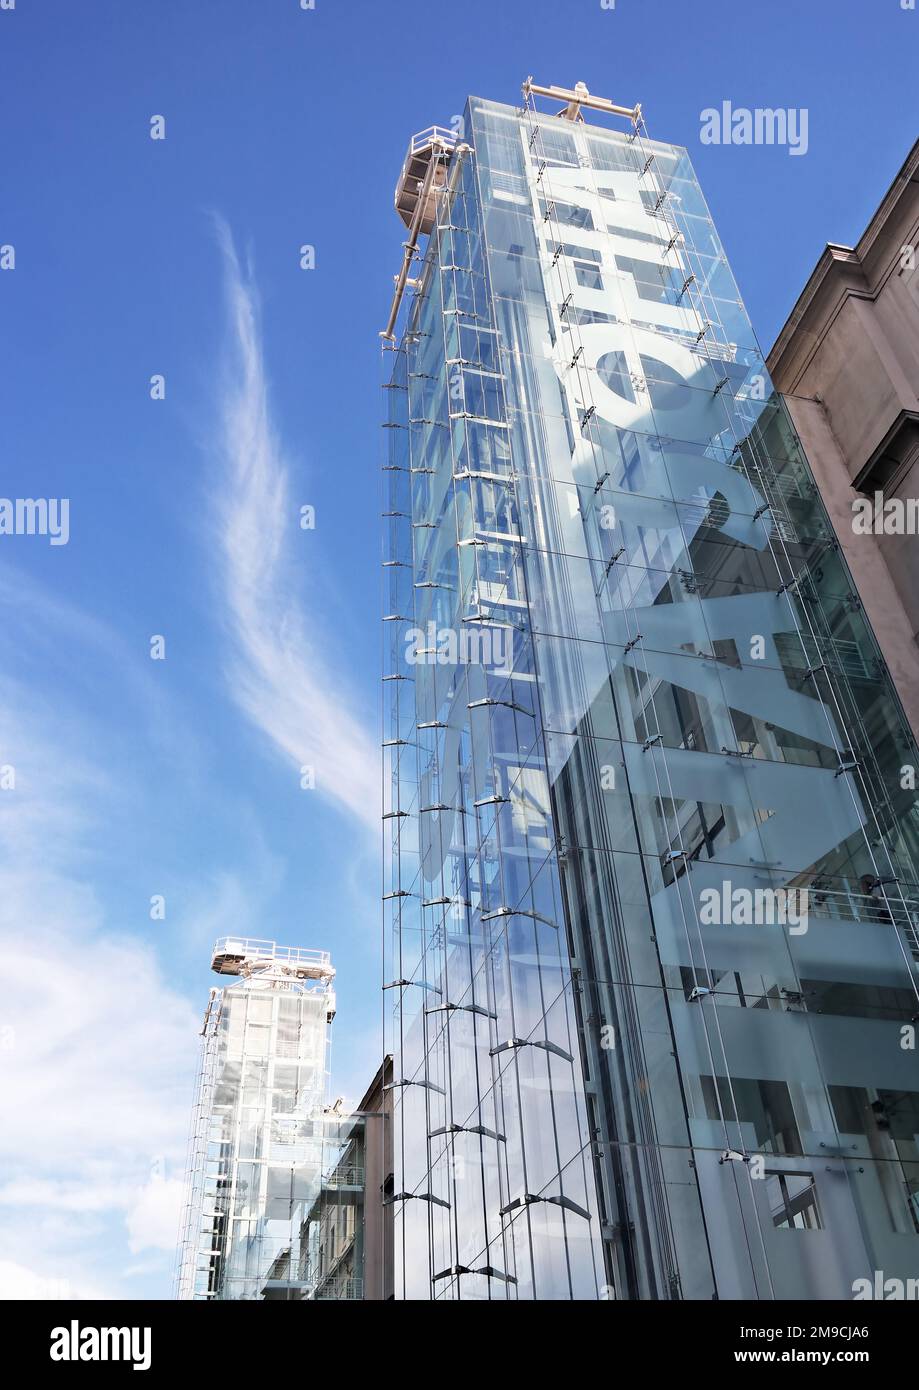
(793, 1201)
(764, 1105)
(653, 281)
(588, 275)
(567, 214)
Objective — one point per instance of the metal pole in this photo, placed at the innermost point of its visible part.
(582, 98)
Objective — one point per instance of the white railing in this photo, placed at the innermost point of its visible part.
(434, 134)
(257, 949)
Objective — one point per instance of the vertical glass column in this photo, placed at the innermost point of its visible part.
(494, 1181)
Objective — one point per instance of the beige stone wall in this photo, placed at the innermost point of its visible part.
(847, 362)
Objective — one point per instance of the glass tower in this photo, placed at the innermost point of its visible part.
(259, 1127)
(651, 866)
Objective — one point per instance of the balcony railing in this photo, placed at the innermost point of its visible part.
(434, 134)
(343, 1289)
(350, 1176)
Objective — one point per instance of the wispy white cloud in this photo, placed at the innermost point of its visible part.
(97, 1039)
(97, 1048)
(155, 1214)
(101, 1050)
(283, 669)
(20, 1282)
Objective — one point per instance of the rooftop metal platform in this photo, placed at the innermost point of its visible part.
(247, 956)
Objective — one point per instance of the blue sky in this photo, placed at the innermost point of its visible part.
(181, 777)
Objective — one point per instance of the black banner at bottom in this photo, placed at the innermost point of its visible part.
(153, 1339)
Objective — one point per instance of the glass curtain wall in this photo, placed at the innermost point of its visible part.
(260, 1142)
(651, 899)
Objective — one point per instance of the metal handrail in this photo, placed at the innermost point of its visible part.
(430, 135)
